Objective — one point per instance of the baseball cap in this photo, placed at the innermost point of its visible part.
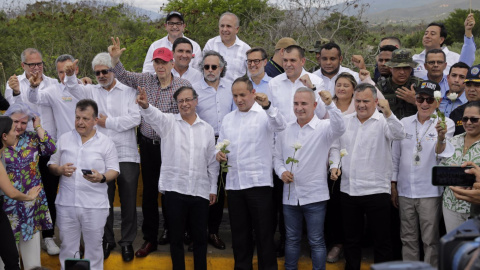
(174, 13)
(428, 87)
(284, 43)
(473, 74)
(163, 53)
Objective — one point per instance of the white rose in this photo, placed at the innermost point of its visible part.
(343, 152)
(437, 95)
(226, 142)
(453, 97)
(219, 146)
(297, 146)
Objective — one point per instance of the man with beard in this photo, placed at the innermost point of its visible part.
(330, 66)
(118, 117)
(256, 62)
(215, 100)
(383, 57)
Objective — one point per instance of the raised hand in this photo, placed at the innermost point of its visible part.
(326, 97)
(385, 107)
(14, 84)
(142, 100)
(115, 51)
(305, 79)
(70, 67)
(261, 99)
(35, 80)
(363, 74)
(358, 61)
(469, 24)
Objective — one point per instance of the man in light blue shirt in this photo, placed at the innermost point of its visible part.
(435, 64)
(256, 62)
(456, 77)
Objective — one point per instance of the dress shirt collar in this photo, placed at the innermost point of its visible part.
(236, 43)
(313, 122)
(255, 108)
(462, 97)
(285, 78)
(415, 119)
(220, 85)
(178, 117)
(79, 138)
(375, 116)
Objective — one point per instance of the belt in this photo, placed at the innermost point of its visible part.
(150, 141)
(216, 139)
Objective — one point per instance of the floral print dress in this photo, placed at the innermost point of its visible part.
(29, 217)
(472, 154)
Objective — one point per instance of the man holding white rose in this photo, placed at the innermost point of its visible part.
(305, 192)
(367, 171)
(250, 129)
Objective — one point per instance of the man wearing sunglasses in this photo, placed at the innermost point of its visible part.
(418, 201)
(175, 26)
(214, 102)
(160, 89)
(472, 90)
(229, 45)
(118, 117)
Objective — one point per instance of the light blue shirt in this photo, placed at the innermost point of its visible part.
(263, 86)
(444, 87)
(447, 106)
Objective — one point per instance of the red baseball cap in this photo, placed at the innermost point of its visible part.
(163, 53)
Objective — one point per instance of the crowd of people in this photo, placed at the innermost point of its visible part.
(282, 145)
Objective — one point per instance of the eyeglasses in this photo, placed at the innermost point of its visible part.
(255, 61)
(474, 84)
(187, 100)
(431, 63)
(174, 23)
(473, 120)
(429, 100)
(32, 65)
(103, 71)
(207, 67)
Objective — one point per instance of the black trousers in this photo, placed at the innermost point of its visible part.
(181, 208)
(333, 217)
(150, 161)
(278, 218)
(377, 209)
(8, 248)
(215, 214)
(127, 182)
(251, 210)
(50, 185)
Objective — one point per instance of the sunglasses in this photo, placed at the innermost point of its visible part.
(103, 71)
(207, 67)
(473, 120)
(32, 65)
(429, 100)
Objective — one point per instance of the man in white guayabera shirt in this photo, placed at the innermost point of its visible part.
(305, 192)
(189, 172)
(249, 184)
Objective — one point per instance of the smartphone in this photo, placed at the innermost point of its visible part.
(452, 176)
(85, 171)
(77, 264)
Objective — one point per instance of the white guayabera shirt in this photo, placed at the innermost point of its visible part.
(188, 154)
(251, 146)
(367, 169)
(310, 173)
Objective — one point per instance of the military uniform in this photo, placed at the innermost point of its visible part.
(399, 107)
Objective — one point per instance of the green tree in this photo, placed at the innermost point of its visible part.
(456, 28)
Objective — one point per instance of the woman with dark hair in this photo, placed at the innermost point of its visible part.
(27, 219)
(8, 250)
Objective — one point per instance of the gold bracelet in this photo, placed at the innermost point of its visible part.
(37, 127)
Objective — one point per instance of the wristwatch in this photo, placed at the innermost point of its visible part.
(104, 179)
(268, 106)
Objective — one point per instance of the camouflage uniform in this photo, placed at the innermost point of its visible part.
(399, 107)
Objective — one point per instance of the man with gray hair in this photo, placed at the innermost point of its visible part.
(230, 46)
(118, 117)
(364, 152)
(305, 192)
(215, 100)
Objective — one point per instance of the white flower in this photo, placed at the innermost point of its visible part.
(453, 97)
(343, 152)
(219, 146)
(226, 142)
(297, 146)
(437, 95)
